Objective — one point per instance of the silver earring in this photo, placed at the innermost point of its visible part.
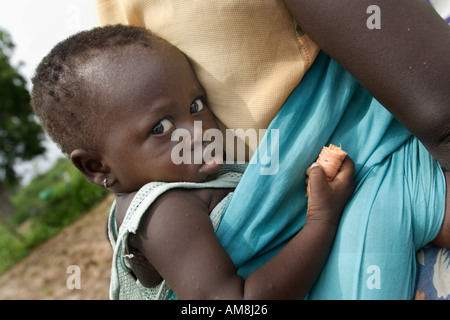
(105, 183)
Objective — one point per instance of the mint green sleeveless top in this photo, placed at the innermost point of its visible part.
(123, 285)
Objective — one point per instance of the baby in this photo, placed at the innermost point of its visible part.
(111, 99)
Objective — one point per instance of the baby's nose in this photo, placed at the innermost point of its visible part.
(194, 141)
(196, 135)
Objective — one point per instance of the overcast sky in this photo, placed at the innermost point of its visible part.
(36, 26)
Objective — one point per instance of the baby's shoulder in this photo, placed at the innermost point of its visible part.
(172, 203)
(179, 200)
(123, 201)
(201, 200)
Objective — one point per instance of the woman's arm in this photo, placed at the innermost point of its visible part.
(177, 237)
(405, 64)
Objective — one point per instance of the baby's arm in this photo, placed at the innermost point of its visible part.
(177, 237)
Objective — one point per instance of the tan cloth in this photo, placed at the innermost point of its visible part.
(249, 55)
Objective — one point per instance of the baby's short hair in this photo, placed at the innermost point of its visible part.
(59, 97)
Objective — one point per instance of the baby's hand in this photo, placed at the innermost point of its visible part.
(327, 199)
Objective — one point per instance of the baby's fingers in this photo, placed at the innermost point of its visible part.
(347, 170)
(344, 177)
(316, 178)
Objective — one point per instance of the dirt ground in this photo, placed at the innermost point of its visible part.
(45, 273)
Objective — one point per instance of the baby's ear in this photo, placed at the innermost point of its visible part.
(90, 165)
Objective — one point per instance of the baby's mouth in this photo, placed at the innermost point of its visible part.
(211, 166)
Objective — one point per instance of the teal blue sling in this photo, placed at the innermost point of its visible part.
(397, 207)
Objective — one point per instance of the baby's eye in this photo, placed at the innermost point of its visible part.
(162, 126)
(197, 106)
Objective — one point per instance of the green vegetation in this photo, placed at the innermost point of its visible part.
(36, 212)
(44, 207)
(51, 201)
(21, 136)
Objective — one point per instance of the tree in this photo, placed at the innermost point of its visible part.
(21, 136)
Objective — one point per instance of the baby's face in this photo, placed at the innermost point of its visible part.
(148, 98)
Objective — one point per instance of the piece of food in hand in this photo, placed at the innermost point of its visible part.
(330, 160)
